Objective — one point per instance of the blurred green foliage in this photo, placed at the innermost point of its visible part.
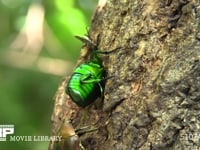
(26, 88)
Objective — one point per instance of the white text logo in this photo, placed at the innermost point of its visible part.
(5, 130)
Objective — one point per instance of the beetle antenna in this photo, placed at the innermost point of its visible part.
(86, 40)
(85, 129)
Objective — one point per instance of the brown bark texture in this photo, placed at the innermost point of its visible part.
(152, 100)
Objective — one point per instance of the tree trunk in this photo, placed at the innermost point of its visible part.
(152, 100)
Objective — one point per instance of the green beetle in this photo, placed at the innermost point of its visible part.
(87, 82)
(88, 79)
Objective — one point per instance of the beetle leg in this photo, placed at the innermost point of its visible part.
(106, 52)
(101, 90)
(87, 79)
(85, 129)
(81, 146)
(91, 81)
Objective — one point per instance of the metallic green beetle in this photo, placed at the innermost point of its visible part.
(87, 82)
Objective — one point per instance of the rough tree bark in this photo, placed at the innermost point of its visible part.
(153, 100)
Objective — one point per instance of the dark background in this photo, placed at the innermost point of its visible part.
(37, 49)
